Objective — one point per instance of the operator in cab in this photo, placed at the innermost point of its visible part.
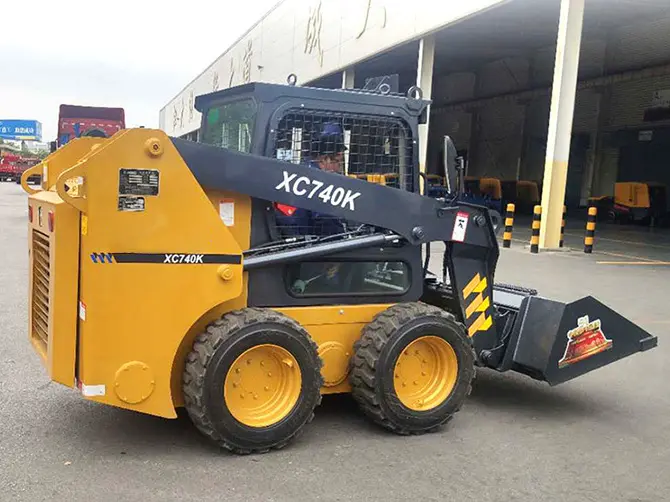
(327, 153)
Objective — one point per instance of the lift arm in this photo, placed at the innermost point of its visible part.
(416, 218)
(467, 230)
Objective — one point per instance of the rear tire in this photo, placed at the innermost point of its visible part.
(435, 380)
(252, 381)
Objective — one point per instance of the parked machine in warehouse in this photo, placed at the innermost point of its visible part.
(245, 276)
(635, 202)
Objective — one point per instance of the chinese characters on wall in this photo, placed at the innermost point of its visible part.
(366, 19)
(313, 35)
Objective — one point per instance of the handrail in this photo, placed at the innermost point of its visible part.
(27, 174)
(77, 171)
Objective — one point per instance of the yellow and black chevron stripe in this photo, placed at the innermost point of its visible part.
(477, 307)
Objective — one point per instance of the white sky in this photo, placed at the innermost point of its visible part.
(131, 54)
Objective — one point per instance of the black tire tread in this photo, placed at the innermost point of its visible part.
(205, 346)
(367, 351)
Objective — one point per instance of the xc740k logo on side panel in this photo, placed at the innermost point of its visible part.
(169, 258)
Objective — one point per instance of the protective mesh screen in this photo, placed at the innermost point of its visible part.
(377, 149)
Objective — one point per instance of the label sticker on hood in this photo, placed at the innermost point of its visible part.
(131, 203)
(138, 181)
(584, 341)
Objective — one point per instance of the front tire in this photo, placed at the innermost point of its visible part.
(412, 368)
(252, 381)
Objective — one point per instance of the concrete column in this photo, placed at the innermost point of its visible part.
(424, 80)
(348, 77)
(560, 120)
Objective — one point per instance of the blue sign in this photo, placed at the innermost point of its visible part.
(28, 130)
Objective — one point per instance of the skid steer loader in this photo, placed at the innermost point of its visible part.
(244, 276)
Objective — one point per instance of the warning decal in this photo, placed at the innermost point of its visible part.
(138, 181)
(460, 227)
(227, 212)
(131, 203)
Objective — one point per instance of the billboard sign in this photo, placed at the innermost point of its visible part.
(28, 130)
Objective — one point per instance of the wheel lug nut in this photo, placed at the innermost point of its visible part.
(416, 383)
(423, 373)
(241, 396)
(269, 374)
(262, 363)
(237, 370)
(416, 352)
(248, 361)
(234, 385)
(267, 388)
(255, 396)
(404, 384)
(397, 376)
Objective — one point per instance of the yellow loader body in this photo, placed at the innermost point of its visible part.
(107, 315)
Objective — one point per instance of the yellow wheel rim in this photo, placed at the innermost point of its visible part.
(425, 373)
(262, 386)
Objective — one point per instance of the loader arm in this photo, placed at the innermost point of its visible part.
(511, 328)
(467, 230)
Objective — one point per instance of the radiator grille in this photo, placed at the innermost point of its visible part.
(41, 285)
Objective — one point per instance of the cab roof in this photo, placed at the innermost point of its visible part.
(266, 93)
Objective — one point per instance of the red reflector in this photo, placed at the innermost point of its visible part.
(51, 218)
(287, 210)
(30, 214)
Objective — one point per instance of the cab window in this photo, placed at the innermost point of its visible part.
(330, 278)
(231, 125)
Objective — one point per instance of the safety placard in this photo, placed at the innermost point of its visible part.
(131, 203)
(460, 227)
(138, 181)
(227, 212)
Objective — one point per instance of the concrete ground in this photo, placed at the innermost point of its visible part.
(602, 437)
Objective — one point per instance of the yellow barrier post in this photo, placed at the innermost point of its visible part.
(535, 236)
(560, 243)
(509, 224)
(590, 229)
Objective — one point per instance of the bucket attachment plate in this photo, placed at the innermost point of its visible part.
(557, 342)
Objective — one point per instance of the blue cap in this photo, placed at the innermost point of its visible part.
(331, 129)
(331, 139)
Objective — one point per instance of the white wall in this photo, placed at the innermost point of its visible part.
(312, 38)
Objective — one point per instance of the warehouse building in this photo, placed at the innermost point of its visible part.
(573, 94)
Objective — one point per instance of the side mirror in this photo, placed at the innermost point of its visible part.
(453, 166)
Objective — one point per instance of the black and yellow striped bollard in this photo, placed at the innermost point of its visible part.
(560, 243)
(509, 224)
(535, 235)
(590, 229)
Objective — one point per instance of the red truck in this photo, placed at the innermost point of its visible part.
(12, 165)
(75, 121)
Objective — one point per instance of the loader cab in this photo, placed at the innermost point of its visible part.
(358, 134)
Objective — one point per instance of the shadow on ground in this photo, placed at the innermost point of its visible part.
(98, 427)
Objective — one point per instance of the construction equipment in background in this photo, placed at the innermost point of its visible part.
(75, 121)
(12, 165)
(634, 202)
(524, 194)
(214, 276)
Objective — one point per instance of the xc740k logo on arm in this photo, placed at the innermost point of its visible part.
(302, 186)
